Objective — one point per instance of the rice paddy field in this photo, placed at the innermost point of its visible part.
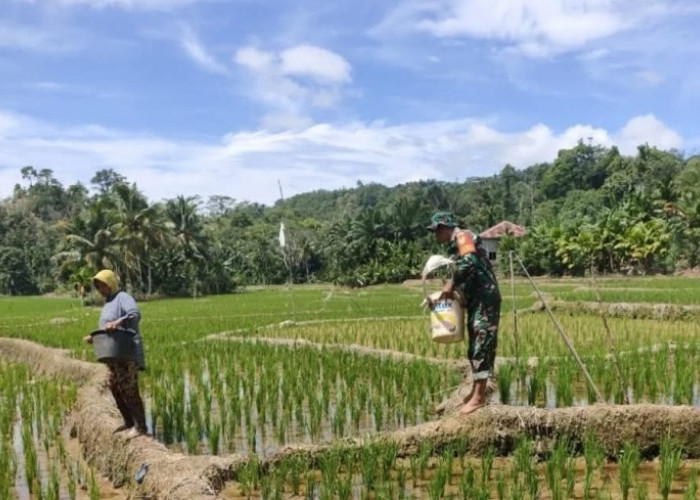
(268, 374)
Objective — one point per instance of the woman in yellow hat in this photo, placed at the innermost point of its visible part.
(120, 312)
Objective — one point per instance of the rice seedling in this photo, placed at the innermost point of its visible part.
(594, 456)
(310, 490)
(504, 377)
(628, 460)
(691, 490)
(564, 387)
(296, 470)
(330, 466)
(642, 491)
(414, 467)
(54, 484)
(684, 377)
(556, 466)
(466, 484)
(570, 476)
(501, 482)
(425, 451)
(368, 467)
(345, 483)
(670, 459)
(516, 491)
(533, 484)
(72, 483)
(387, 457)
(93, 487)
(436, 487)
(486, 465)
(536, 384)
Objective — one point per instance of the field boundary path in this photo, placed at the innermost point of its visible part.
(175, 475)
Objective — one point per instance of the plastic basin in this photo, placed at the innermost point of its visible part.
(113, 345)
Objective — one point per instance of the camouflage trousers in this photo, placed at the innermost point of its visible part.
(124, 384)
(482, 325)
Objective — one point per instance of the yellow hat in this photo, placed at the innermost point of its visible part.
(109, 278)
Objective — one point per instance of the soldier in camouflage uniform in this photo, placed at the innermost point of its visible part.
(476, 282)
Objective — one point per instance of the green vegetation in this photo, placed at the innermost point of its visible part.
(591, 206)
(237, 392)
(33, 457)
(237, 397)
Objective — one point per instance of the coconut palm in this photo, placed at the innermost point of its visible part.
(188, 233)
(89, 240)
(139, 228)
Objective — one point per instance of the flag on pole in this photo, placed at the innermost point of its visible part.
(283, 240)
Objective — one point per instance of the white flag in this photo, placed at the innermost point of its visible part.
(283, 240)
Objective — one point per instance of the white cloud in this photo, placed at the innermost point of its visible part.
(255, 59)
(278, 121)
(315, 62)
(535, 28)
(294, 81)
(648, 128)
(246, 165)
(198, 53)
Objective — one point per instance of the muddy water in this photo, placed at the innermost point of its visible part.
(519, 396)
(267, 440)
(51, 459)
(107, 491)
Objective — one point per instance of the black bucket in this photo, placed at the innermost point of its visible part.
(113, 345)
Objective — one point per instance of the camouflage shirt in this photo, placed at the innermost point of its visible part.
(474, 276)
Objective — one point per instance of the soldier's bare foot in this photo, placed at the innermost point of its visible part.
(470, 407)
(135, 432)
(467, 399)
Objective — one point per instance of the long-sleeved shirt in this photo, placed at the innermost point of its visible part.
(122, 306)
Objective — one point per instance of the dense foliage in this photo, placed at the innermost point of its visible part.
(591, 206)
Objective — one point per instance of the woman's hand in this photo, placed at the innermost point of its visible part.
(111, 325)
(87, 339)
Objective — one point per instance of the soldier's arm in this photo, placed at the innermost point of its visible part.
(464, 271)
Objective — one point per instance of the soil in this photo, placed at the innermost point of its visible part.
(175, 475)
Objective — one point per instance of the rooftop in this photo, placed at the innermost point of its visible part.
(502, 229)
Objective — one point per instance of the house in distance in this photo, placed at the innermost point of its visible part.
(491, 237)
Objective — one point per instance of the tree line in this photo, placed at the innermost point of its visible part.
(591, 207)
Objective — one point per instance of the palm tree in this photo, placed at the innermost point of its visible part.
(188, 231)
(187, 225)
(90, 240)
(139, 228)
(405, 218)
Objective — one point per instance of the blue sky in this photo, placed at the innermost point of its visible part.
(225, 97)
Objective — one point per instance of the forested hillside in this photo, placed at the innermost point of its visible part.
(591, 206)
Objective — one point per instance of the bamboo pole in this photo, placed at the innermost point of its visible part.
(611, 344)
(515, 310)
(562, 333)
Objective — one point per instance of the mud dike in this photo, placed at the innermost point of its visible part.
(175, 475)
